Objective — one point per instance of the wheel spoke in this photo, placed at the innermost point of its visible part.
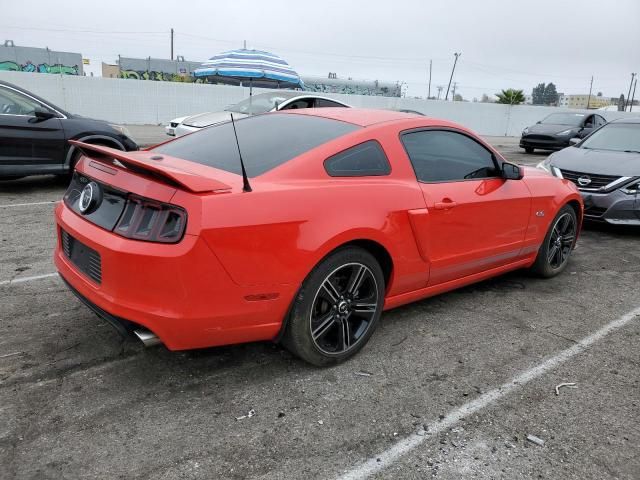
(345, 334)
(356, 279)
(552, 253)
(568, 239)
(325, 324)
(331, 290)
(364, 307)
(560, 256)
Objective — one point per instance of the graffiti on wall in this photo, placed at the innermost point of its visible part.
(155, 76)
(57, 68)
(352, 89)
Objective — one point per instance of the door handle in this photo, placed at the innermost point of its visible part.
(445, 204)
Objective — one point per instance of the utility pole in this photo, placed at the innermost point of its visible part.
(453, 96)
(626, 103)
(172, 44)
(446, 97)
(633, 95)
(590, 89)
(439, 87)
(430, 67)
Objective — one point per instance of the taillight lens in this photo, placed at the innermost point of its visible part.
(145, 219)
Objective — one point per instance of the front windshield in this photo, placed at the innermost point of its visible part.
(263, 103)
(573, 119)
(619, 137)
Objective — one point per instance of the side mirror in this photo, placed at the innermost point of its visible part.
(574, 141)
(41, 114)
(511, 171)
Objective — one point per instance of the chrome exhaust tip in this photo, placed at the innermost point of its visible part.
(147, 337)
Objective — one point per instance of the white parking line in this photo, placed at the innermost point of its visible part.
(9, 205)
(27, 279)
(393, 454)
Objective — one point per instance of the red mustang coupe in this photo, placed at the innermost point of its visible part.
(301, 227)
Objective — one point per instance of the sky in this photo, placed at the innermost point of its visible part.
(504, 43)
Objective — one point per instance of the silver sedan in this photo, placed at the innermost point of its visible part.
(605, 166)
(262, 103)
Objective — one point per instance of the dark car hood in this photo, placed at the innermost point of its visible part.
(550, 128)
(603, 162)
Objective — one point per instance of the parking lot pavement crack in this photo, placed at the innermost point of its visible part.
(571, 340)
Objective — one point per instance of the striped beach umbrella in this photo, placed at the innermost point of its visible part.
(255, 67)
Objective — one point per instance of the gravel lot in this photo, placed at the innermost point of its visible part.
(78, 401)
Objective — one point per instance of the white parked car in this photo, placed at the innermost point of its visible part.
(171, 128)
(262, 103)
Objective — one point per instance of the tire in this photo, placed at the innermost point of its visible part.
(343, 293)
(553, 255)
(529, 149)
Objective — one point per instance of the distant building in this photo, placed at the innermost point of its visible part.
(528, 99)
(580, 101)
(110, 70)
(333, 84)
(39, 60)
(563, 100)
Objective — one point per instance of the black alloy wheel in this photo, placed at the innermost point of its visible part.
(337, 308)
(563, 235)
(558, 244)
(343, 308)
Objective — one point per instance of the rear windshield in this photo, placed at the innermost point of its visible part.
(266, 141)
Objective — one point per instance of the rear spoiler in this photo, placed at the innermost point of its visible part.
(163, 166)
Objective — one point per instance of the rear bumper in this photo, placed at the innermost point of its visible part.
(180, 291)
(616, 208)
(544, 144)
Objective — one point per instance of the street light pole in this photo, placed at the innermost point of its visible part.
(430, 67)
(633, 95)
(590, 89)
(626, 103)
(172, 44)
(446, 97)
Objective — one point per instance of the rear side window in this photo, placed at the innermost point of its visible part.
(323, 102)
(366, 159)
(446, 156)
(266, 141)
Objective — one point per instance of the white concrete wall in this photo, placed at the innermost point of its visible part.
(148, 102)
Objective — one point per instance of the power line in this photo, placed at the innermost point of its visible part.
(82, 31)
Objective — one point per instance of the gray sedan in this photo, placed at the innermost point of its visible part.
(606, 169)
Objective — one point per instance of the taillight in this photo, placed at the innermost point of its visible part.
(152, 221)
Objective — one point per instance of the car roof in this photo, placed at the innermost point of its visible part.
(362, 117)
(626, 120)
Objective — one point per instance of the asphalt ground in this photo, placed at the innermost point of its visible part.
(449, 387)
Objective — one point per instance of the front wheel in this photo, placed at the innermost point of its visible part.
(337, 308)
(560, 240)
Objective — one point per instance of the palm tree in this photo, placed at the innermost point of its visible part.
(511, 96)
